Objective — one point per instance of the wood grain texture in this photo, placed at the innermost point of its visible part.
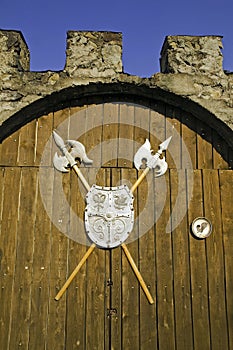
(189, 138)
(204, 146)
(9, 149)
(226, 190)
(110, 139)
(164, 270)
(44, 127)
(180, 246)
(173, 117)
(76, 293)
(96, 275)
(116, 282)
(8, 246)
(104, 306)
(38, 331)
(126, 132)
(215, 261)
(27, 144)
(22, 287)
(58, 270)
(130, 287)
(198, 268)
(148, 320)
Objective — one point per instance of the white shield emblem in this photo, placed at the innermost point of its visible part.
(109, 215)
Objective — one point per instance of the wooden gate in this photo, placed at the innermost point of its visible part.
(104, 308)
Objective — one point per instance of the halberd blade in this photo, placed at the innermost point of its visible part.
(78, 151)
(143, 154)
(164, 145)
(60, 163)
(58, 140)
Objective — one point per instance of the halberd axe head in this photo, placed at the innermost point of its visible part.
(78, 151)
(144, 157)
(61, 163)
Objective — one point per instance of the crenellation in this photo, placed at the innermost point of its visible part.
(14, 53)
(192, 55)
(93, 54)
(191, 68)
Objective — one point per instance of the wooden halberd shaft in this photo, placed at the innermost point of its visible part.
(140, 179)
(137, 273)
(74, 273)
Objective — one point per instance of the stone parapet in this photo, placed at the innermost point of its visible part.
(14, 53)
(192, 55)
(93, 54)
(96, 58)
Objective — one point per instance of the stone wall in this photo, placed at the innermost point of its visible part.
(191, 67)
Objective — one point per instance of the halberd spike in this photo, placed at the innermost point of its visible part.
(164, 145)
(58, 140)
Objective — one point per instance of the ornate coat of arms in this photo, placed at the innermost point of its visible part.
(109, 215)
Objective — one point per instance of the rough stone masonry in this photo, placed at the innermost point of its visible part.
(191, 67)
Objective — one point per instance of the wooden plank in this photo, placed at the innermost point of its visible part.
(27, 144)
(21, 298)
(115, 283)
(77, 128)
(126, 134)
(61, 122)
(220, 152)
(80, 122)
(43, 133)
(189, 138)
(215, 261)
(200, 300)
(142, 124)
(148, 319)
(94, 121)
(95, 302)
(41, 273)
(157, 127)
(226, 185)
(93, 137)
(173, 128)
(10, 149)
(59, 117)
(110, 134)
(111, 310)
(8, 242)
(204, 146)
(164, 267)
(76, 294)
(2, 173)
(58, 267)
(180, 244)
(130, 286)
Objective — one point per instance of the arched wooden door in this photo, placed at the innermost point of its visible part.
(43, 239)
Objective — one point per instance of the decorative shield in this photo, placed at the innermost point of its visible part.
(109, 215)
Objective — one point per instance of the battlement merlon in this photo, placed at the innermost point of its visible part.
(14, 53)
(191, 68)
(93, 54)
(99, 54)
(192, 55)
(89, 54)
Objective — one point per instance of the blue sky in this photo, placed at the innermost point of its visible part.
(144, 25)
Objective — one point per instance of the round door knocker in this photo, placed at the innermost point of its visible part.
(201, 227)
